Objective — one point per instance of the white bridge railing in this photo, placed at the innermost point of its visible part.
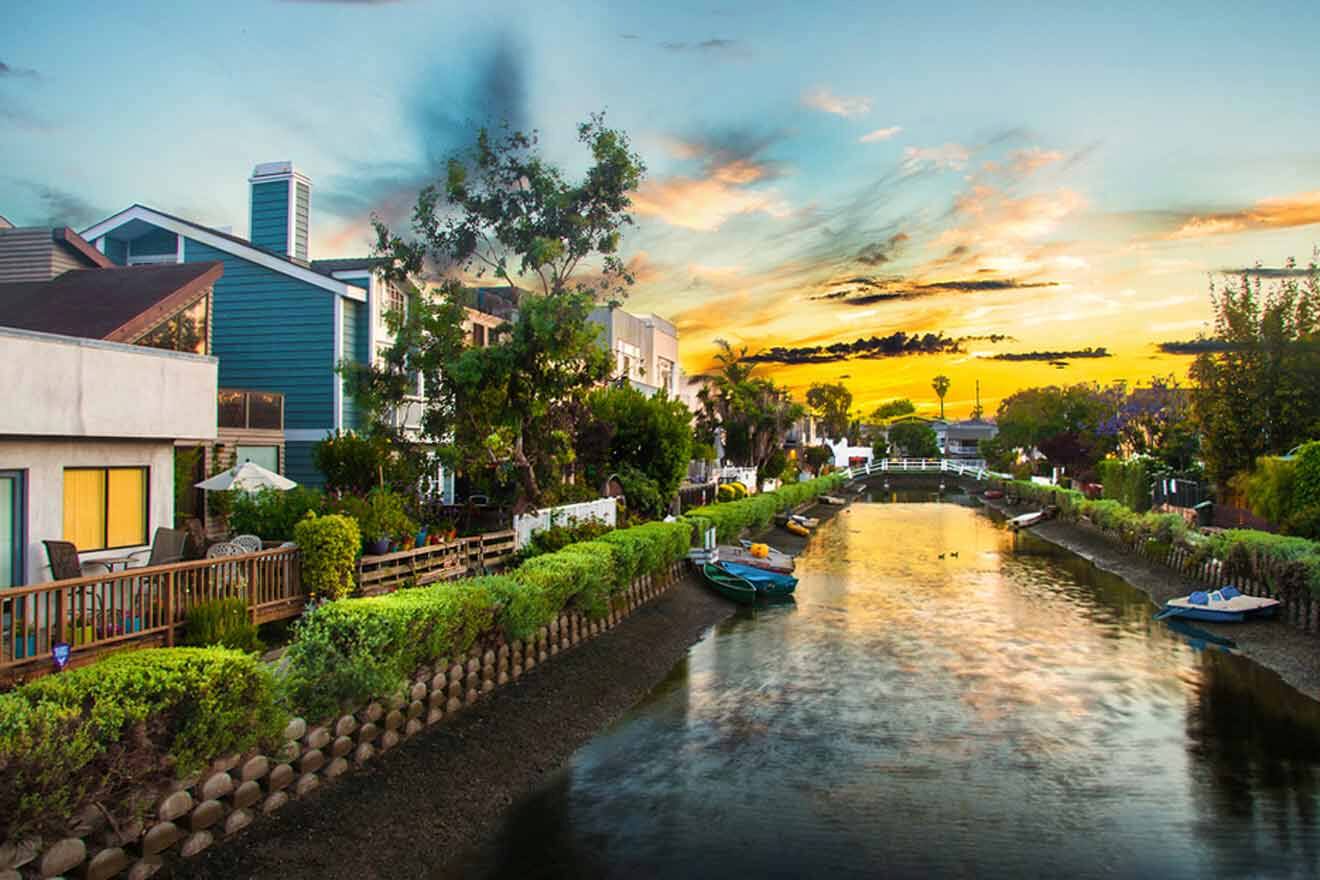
(920, 466)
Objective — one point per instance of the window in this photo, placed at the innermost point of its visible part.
(392, 300)
(105, 508)
(666, 368)
(185, 330)
(264, 456)
(479, 335)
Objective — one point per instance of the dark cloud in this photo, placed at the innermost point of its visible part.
(1198, 346)
(444, 112)
(880, 252)
(1263, 272)
(9, 71)
(884, 290)
(1057, 358)
(59, 207)
(897, 344)
(714, 44)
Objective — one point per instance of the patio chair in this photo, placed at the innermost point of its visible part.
(249, 543)
(167, 546)
(224, 548)
(64, 562)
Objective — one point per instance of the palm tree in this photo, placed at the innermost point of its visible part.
(941, 385)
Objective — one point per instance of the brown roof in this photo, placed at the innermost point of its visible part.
(76, 243)
(117, 304)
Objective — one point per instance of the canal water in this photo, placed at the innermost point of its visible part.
(944, 699)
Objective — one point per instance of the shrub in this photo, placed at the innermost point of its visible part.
(380, 515)
(558, 537)
(272, 514)
(642, 493)
(223, 622)
(357, 463)
(756, 511)
(1304, 523)
(349, 651)
(1307, 492)
(1127, 481)
(329, 547)
(99, 733)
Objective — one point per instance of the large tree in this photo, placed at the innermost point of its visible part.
(1254, 381)
(1065, 423)
(645, 441)
(900, 406)
(754, 413)
(913, 439)
(507, 410)
(830, 403)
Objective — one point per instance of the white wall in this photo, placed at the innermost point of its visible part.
(60, 386)
(43, 462)
(843, 452)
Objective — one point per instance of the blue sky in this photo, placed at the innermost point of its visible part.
(1094, 160)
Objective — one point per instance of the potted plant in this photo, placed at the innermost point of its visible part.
(447, 529)
(380, 518)
(83, 628)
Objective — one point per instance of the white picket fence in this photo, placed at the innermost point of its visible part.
(605, 510)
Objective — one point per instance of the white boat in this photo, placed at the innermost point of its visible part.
(1226, 605)
(773, 560)
(833, 499)
(1026, 520)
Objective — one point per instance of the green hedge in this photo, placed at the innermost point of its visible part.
(98, 733)
(329, 548)
(1286, 564)
(1128, 481)
(757, 511)
(348, 651)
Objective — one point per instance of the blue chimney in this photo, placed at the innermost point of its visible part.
(281, 202)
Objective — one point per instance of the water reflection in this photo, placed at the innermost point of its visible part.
(945, 699)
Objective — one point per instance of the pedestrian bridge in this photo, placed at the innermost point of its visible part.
(920, 466)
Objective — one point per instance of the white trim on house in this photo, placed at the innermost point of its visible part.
(179, 239)
(355, 277)
(228, 245)
(306, 435)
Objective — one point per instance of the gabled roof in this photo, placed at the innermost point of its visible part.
(117, 304)
(79, 246)
(229, 243)
(347, 264)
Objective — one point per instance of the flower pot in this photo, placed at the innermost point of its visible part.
(84, 635)
(378, 547)
(421, 538)
(433, 540)
(25, 647)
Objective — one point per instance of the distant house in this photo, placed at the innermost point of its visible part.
(964, 439)
(644, 350)
(281, 322)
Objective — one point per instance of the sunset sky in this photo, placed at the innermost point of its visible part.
(818, 173)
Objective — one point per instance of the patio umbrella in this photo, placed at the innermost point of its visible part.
(249, 476)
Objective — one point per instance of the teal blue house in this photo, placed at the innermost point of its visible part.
(280, 322)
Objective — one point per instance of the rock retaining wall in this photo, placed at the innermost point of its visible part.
(237, 790)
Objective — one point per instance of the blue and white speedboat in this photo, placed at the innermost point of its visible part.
(1227, 605)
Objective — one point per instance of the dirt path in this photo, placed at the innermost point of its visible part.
(424, 808)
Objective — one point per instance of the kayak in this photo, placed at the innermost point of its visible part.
(1227, 605)
(797, 528)
(768, 584)
(730, 586)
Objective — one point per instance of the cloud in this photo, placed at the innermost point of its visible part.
(733, 170)
(1024, 162)
(885, 290)
(821, 98)
(1197, 346)
(1052, 356)
(443, 113)
(60, 207)
(1302, 209)
(880, 134)
(714, 44)
(948, 157)
(880, 252)
(1266, 272)
(896, 344)
(9, 71)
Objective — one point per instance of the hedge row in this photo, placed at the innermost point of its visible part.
(98, 733)
(1286, 564)
(756, 511)
(349, 651)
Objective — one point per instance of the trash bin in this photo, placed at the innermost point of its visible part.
(1205, 513)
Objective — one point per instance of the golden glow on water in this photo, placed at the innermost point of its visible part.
(1006, 712)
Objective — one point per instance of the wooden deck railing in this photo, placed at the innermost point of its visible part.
(149, 604)
(436, 562)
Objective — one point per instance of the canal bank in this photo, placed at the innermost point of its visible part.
(437, 795)
(1291, 653)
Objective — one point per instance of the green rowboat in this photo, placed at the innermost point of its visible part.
(730, 586)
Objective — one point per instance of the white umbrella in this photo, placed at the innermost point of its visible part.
(249, 476)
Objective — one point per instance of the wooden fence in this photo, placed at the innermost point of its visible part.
(437, 562)
(99, 612)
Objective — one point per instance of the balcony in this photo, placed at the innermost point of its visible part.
(250, 410)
